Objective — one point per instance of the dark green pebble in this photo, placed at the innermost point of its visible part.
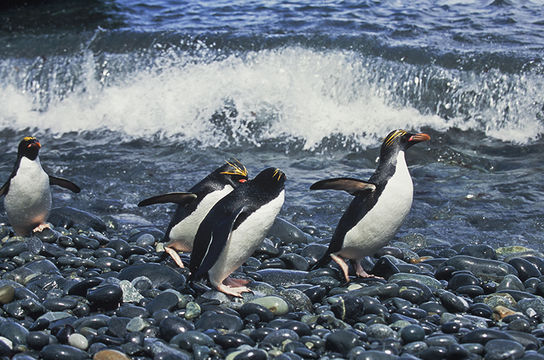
(520, 325)
(187, 339)
(433, 307)
(462, 278)
(479, 251)
(299, 327)
(452, 302)
(412, 333)
(444, 273)
(470, 290)
(481, 309)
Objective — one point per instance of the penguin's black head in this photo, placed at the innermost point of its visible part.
(398, 140)
(29, 147)
(233, 172)
(271, 178)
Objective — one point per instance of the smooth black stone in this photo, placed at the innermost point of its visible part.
(215, 320)
(275, 263)
(166, 300)
(294, 261)
(413, 312)
(277, 337)
(63, 333)
(433, 353)
(450, 327)
(452, 302)
(37, 340)
(228, 341)
(263, 313)
(109, 340)
(413, 294)
(455, 351)
(187, 339)
(110, 263)
(13, 331)
(497, 349)
(105, 296)
(538, 262)
(131, 311)
(83, 242)
(519, 295)
(482, 336)
(371, 355)
(384, 268)
(171, 326)
(81, 287)
(426, 291)
(433, 307)
(529, 341)
(412, 333)
(39, 324)
(444, 273)
(341, 341)
(158, 274)
(479, 251)
(531, 284)
(53, 250)
(313, 252)
(60, 304)
(299, 327)
(462, 278)
(520, 325)
(62, 352)
(253, 354)
(96, 321)
(68, 217)
(13, 248)
(525, 268)
(470, 290)
(260, 333)
(481, 309)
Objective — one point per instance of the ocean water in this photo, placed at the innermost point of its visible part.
(133, 98)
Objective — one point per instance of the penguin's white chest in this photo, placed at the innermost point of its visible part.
(184, 232)
(28, 200)
(245, 239)
(379, 225)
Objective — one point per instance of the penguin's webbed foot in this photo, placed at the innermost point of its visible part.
(362, 273)
(234, 282)
(337, 259)
(174, 255)
(41, 227)
(234, 291)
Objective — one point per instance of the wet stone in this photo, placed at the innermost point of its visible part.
(187, 339)
(282, 277)
(453, 302)
(262, 312)
(412, 333)
(341, 341)
(233, 340)
(525, 268)
(215, 320)
(105, 296)
(156, 273)
(7, 294)
(484, 269)
(503, 349)
(482, 336)
(62, 352)
(110, 354)
(165, 300)
(275, 304)
(171, 326)
(380, 331)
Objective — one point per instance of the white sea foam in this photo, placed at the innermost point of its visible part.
(285, 93)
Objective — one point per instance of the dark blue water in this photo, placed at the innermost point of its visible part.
(136, 98)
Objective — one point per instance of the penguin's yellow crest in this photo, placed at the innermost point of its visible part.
(389, 140)
(237, 168)
(29, 138)
(278, 173)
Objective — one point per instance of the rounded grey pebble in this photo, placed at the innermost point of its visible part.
(503, 349)
(62, 352)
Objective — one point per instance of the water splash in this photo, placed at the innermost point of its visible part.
(288, 94)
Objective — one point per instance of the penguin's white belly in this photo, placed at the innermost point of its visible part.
(183, 234)
(28, 200)
(243, 241)
(381, 223)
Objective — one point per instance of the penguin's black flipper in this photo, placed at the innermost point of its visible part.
(175, 197)
(210, 241)
(352, 186)
(67, 184)
(4, 189)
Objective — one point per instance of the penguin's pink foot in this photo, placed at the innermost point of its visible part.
(41, 227)
(174, 255)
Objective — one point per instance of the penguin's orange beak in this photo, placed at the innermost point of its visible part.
(242, 181)
(419, 138)
(36, 143)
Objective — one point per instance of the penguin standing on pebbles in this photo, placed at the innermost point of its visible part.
(27, 194)
(379, 207)
(194, 205)
(234, 229)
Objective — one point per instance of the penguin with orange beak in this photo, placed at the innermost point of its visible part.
(379, 207)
